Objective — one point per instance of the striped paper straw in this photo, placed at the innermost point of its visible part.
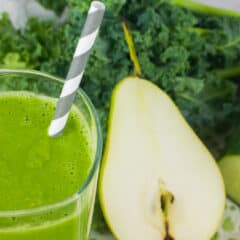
(74, 77)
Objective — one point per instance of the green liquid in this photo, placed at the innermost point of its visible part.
(36, 170)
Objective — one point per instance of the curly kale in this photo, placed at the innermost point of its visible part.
(187, 54)
(195, 58)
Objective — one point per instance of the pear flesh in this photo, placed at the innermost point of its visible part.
(152, 154)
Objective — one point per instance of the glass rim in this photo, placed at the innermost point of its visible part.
(97, 154)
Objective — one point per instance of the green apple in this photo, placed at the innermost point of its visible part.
(230, 167)
(222, 7)
(158, 181)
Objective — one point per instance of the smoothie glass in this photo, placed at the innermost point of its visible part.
(71, 218)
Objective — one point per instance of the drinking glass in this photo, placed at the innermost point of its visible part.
(69, 219)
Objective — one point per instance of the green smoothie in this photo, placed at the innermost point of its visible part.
(36, 170)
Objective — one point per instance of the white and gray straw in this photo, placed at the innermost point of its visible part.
(74, 76)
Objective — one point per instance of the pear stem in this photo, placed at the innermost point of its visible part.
(132, 51)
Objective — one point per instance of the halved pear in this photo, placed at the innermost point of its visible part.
(158, 181)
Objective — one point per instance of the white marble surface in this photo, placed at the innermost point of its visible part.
(20, 10)
(231, 223)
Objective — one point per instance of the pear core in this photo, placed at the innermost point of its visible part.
(158, 181)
